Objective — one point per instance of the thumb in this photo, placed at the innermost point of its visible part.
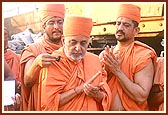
(100, 85)
(94, 77)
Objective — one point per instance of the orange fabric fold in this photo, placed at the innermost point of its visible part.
(75, 25)
(64, 75)
(31, 96)
(47, 11)
(130, 11)
(138, 55)
(13, 60)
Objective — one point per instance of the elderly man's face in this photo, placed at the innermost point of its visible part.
(54, 29)
(75, 47)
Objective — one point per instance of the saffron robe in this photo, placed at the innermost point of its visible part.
(64, 75)
(13, 60)
(133, 59)
(31, 96)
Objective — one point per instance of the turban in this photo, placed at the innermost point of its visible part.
(75, 25)
(129, 11)
(47, 11)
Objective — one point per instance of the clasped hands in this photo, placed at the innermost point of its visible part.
(112, 62)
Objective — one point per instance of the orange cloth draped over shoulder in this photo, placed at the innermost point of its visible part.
(32, 96)
(133, 58)
(129, 11)
(47, 11)
(13, 60)
(64, 75)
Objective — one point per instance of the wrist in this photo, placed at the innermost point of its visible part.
(75, 91)
(78, 90)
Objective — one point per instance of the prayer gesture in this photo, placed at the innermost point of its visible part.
(111, 62)
(93, 91)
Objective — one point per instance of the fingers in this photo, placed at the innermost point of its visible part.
(45, 60)
(94, 77)
(91, 90)
(18, 98)
(109, 58)
(100, 85)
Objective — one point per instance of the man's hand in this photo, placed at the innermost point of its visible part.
(17, 101)
(93, 91)
(44, 60)
(111, 62)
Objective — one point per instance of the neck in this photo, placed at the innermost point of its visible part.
(58, 41)
(121, 45)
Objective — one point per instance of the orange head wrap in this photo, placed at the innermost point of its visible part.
(75, 25)
(47, 11)
(129, 11)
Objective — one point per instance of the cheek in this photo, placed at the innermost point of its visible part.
(84, 49)
(49, 29)
(69, 49)
(61, 28)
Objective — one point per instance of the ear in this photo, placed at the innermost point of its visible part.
(43, 26)
(63, 40)
(136, 31)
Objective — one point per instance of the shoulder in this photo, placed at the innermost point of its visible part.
(33, 48)
(143, 49)
(142, 55)
(140, 45)
(92, 55)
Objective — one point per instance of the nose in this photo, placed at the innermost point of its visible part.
(120, 26)
(55, 25)
(77, 47)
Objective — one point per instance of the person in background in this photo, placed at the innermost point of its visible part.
(37, 55)
(9, 75)
(130, 64)
(156, 96)
(72, 83)
(11, 58)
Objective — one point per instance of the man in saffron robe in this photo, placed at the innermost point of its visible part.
(9, 75)
(156, 97)
(11, 71)
(76, 82)
(130, 64)
(12, 59)
(37, 55)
